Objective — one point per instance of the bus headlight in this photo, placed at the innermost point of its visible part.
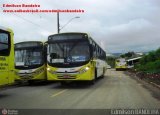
(51, 71)
(48, 69)
(84, 70)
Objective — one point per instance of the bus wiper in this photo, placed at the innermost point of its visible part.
(73, 46)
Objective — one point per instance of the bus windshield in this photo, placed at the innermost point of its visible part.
(68, 52)
(28, 57)
(4, 43)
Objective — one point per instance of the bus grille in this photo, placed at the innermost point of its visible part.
(68, 77)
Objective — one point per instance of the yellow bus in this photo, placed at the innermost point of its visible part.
(74, 57)
(120, 64)
(6, 56)
(30, 61)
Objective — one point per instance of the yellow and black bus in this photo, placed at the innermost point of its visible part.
(6, 56)
(30, 61)
(74, 57)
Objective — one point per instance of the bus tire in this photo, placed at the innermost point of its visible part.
(103, 73)
(95, 76)
(92, 82)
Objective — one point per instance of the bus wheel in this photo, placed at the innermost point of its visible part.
(95, 77)
(103, 73)
(92, 82)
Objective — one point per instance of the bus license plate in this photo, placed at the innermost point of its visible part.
(66, 76)
(26, 77)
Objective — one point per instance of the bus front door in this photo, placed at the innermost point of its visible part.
(4, 71)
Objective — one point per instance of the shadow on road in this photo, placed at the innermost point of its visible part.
(77, 84)
(34, 84)
(4, 95)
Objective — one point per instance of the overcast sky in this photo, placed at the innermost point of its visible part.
(117, 25)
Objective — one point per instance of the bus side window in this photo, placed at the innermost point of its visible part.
(4, 44)
(94, 51)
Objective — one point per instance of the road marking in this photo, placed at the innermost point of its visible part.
(54, 95)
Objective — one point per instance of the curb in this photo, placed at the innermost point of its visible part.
(151, 83)
(154, 84)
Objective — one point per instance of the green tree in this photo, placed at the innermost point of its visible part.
(127, 55)
(111, 61)
(143, 60)
(151, 56)
(157, 53)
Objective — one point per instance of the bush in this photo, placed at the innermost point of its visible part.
(150, 62)
(151, 57)
(151, 67)
(158, 54)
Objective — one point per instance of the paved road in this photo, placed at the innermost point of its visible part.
(115, 90)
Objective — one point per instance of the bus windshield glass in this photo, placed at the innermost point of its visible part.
(68, 52)
(4, 44)
(28, 57)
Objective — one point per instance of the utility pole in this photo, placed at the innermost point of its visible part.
(58, 29)
(58, 25)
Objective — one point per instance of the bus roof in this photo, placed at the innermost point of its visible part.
(67, 33)
(70, 33)
(5, 29)
(134, 59)
(28, 44)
